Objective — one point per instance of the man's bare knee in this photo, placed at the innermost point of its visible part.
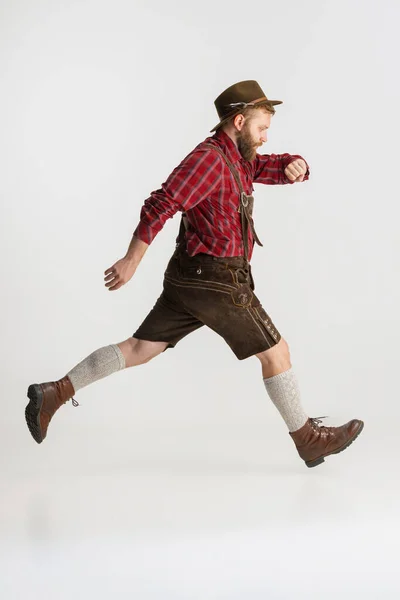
(279, 354)
(138, 352)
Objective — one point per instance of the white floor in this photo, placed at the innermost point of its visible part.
(213, 513)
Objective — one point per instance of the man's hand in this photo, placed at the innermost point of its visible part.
(120, 273)
(296, 170)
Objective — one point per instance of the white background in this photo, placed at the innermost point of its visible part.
(178, 479)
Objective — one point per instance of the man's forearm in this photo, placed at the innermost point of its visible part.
(136, 250)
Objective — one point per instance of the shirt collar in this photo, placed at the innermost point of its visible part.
(227, 145)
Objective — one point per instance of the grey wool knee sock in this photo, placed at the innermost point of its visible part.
(283, 389)
(99, 364)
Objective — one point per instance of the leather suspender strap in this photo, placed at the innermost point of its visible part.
(245, 207)
(230, 165)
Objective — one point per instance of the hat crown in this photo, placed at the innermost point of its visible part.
(243, 91)
(235, 98)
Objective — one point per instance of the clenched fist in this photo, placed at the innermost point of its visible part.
(296, 170)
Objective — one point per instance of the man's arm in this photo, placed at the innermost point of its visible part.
(270, 168)
(136, 251)
(189, 183)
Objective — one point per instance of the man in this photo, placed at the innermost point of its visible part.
(208, 279)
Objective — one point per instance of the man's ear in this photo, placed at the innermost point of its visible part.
(238, 121)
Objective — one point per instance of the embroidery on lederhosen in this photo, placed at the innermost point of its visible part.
(265, 319)
(243, 295)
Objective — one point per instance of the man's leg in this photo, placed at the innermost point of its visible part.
(313, 441)
(281, 384)
(46, 398)
(109, 359)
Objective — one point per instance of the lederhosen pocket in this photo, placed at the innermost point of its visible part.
(242, 296)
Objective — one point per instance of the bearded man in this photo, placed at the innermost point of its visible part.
(208, 279)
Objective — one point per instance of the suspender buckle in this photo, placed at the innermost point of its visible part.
(244, 199)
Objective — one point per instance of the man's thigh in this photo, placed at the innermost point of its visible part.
(222, 297)
(168, 321)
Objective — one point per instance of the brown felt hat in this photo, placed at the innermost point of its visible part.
(236, 97)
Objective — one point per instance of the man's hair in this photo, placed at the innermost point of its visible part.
(249, 112)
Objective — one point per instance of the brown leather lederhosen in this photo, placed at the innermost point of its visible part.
(245, 208)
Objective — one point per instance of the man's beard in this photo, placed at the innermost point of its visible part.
(246, 145)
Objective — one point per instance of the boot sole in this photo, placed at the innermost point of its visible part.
(32, 411)
(321, 459)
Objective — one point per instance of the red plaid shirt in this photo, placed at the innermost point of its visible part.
(202, 186)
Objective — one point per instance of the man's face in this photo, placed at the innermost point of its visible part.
(253, 134)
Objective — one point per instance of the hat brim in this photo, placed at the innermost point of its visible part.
(273, 102)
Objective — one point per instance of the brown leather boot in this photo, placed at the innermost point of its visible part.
(314, 441)
(44, 400)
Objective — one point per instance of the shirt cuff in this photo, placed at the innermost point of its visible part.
(145, 233)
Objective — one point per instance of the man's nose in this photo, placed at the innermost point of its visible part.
(263, 137)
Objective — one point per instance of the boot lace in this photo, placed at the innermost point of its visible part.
(74, 402)
(315, 423)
